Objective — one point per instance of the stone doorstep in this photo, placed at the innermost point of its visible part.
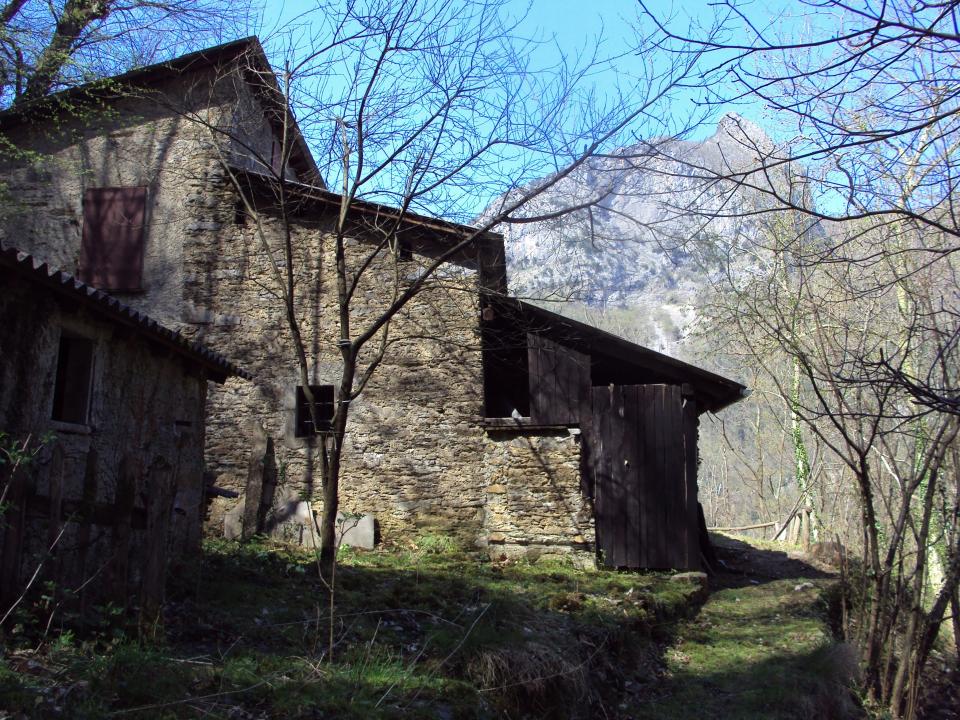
(581, 558)
(575, 543)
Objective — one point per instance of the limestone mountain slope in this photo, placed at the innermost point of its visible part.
(636, 262)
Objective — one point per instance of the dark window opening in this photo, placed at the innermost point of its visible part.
(71, 391)
(240, 213)
(404, 251)
(323, 398)
(506, 391)
(111, 251)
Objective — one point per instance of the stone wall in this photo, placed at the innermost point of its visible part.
(413, 451)
(533, 501)
(417, 453)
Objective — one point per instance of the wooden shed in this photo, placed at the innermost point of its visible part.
(110, 406)
(637, 411)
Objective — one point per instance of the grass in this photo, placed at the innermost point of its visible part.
(429, 631)
(763, 649)
(426, 632)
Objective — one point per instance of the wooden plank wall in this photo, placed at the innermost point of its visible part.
(643, 463)
(132, 571)
(691, 439)
(559, 382)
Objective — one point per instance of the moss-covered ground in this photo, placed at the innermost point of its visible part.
(761, 647)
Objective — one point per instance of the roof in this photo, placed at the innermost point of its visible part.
(108, 307)
(313, 196)
(110, 88)
(713, 392)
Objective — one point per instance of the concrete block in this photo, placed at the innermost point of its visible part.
(303, 513)
(296, 533)
(290, 511)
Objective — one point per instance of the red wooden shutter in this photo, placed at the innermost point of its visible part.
(111, 253)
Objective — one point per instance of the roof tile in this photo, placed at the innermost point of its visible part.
(110, 307)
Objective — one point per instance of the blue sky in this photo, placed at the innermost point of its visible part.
(573, 27)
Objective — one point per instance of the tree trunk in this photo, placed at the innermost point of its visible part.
(331, 465)
(77, 15)
(955, 612)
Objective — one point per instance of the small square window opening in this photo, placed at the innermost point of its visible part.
(323, 396)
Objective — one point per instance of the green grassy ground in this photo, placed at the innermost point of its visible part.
(431, 632)
(424, 633)
(759, 651)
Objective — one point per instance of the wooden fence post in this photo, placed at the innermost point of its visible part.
(253, 493)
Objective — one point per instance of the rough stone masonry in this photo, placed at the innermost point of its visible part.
(417, 454)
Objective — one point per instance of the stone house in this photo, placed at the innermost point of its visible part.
(466, 425)
(118, 491)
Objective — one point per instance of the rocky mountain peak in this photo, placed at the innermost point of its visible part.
(629, 256)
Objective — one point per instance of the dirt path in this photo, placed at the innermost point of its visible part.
(761, 646)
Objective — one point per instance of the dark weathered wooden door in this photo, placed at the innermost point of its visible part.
(643, 462)
(559, 382)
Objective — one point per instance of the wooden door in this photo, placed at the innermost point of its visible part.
(643, 467)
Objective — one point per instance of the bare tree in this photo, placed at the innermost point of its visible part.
(869, 124)
(46, 46)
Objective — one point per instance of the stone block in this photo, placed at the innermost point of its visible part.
(356, 531)
(233, 522)
(831, 553)
(197, 315)
(699, 580)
